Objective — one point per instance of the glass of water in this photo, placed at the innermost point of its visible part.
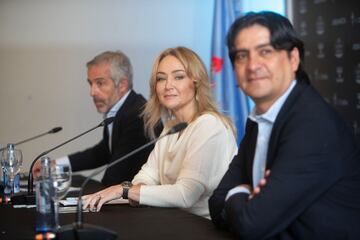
(61, 178)
(11, 161)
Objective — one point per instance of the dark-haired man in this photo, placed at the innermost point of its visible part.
(297, 172)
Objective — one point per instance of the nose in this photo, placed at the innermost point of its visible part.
(253, 63)
(93, 90)
(168, 83)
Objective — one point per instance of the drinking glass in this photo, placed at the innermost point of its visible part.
(11, 161)
(61, 178)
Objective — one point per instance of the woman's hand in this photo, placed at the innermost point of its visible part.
(95, 201)
(134, 195)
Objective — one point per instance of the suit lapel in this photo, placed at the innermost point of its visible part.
(106, 137)
(119, 116)
(281, 119)
(247, 150)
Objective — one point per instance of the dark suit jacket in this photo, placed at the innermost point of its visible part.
(313, 191)
(127, 134)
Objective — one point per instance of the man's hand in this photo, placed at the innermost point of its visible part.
(261, 184)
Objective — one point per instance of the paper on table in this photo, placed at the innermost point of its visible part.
(72, 201)
(24, 206)
(70, 209)
(69, 201)
(74, 189)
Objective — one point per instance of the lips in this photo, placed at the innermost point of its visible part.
(169, 96)
(253, 79)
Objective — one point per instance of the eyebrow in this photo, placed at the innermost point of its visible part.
(256, 47)
(263, 45)
(175, 71)
(96, 79)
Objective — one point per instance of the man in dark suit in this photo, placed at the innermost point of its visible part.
(297, 172)
(110, 79)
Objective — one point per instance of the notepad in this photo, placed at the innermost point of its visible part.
(72, 201)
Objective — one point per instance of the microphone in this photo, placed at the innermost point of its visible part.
(54, 130)
(29, 198)
(78, 230)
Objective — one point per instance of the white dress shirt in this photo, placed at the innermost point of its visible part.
(265, 123)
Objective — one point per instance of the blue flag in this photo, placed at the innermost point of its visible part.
(230, 99)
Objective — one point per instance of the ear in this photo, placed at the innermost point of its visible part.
(123, 86)
(295, 59)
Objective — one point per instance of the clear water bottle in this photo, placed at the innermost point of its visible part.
(11, 161)
(16, 186)
(45, 213)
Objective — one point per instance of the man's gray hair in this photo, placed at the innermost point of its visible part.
(120, 65)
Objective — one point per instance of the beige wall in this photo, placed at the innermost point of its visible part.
(44, 46)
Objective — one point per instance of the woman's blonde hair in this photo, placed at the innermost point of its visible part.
(195, 70)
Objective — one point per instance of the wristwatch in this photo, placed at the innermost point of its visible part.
(126, 186)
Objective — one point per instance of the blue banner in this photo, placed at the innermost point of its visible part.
(230, 99)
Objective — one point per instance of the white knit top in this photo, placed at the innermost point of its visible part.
(182, 171)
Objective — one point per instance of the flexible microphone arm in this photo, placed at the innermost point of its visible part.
(31, 177)
(54, 130)
(177, 128)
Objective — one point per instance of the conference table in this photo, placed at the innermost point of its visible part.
(128, 222)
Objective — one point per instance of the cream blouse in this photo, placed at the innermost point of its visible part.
(182, 171)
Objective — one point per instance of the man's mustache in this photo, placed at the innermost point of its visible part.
(98, 100)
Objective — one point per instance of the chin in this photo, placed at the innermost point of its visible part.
(257, 92)
(101, 110)
(169, 105)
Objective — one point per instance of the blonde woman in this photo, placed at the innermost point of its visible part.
(184, 168)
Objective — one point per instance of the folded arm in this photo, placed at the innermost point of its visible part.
(301, 172)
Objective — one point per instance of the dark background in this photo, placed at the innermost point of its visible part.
(331, 32)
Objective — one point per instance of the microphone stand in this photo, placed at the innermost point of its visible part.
(54, 130)
(20, 195)
(78, 230)
(29, 197)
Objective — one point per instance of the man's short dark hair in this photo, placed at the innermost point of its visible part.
(282, 35)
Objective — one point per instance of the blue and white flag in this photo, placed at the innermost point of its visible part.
(230, 99)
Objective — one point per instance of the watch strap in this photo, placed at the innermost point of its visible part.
(125, 194)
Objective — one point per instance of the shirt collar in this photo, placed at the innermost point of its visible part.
(112, 112)
(271, 114)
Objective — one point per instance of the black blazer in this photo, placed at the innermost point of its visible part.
(313, 191)
(127, 134)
